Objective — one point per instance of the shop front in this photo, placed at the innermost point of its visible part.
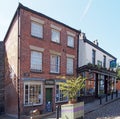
(99, 81)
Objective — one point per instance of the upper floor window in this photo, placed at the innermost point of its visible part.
(93, 57)
(69, 65)
(99, 63)
(55, 64)
(33, 94)
(70, 41)
(36, 61)
(36, 29)
(104, 61)
(55, 36)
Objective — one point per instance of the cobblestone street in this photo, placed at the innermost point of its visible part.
(108, 111)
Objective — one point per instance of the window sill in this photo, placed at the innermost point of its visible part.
(55, 73)
(31, 105)
(37, 37)
(61, 102)
(55, 42)
(71, 47)
(69, 74)
(36, 71)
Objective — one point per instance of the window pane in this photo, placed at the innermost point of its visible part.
(70, 41)
(33, 94)
(69, 65)
(26, 94)
(55, 63)
(36, 60)
(59, 95)
(36, 30)
(55, 36)
(93, 57)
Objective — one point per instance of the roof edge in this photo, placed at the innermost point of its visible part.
(99, 48)
(21, 6)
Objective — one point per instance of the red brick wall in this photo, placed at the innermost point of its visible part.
(27, 40)
(118, 85)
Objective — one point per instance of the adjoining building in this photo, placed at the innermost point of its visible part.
(2, 74)
(97, 65)
(38, 50)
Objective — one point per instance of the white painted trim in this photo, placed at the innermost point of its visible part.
(36, 48)
(36, 83)
(71, 34)
(55, 53)
(70, 56)
(55, 27)
(49, 86)
(37, 20)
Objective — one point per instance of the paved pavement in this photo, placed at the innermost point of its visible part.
(109, 109)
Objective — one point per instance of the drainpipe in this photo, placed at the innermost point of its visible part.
(78, 52)
(18, 65)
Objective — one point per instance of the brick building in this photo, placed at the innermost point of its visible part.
(38, 50)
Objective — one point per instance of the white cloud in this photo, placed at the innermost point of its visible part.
(86, 9)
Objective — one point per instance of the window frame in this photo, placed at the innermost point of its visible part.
(53, 32)
(93, 56)
(104, 61)
(51, 64)
(99, 63)
(69, 38)
(40, 60)
(58, 94)
(69, 65)
(33, 34)
(35, 83)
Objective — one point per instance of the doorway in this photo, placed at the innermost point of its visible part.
(49, 99)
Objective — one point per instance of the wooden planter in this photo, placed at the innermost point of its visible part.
(72, 111)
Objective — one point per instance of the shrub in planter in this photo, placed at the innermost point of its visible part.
(71, 87)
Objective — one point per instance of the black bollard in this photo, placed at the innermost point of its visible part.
(111, 95)
(116, 93)
(106, 97)
(100, 100)
(57, 112)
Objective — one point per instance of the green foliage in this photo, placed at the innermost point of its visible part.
(71, 87)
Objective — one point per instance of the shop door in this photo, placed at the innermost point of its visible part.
(49, 99)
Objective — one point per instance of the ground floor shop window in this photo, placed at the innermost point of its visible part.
(101, 81)
(90, 87)
(33, 94)
(59, 95)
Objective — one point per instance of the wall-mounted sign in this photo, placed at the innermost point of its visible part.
(50, 82)
(113, 64)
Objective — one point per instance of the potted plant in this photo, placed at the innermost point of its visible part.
(70, 89)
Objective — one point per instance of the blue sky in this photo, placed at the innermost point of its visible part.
(99, 19)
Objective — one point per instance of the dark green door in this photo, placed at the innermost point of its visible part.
(49, 99)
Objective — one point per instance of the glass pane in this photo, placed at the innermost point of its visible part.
(70, 41)
(26, 94)
(36, 60)
(55, 63)
(69, 66)
(36, 29)
(55, 36)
